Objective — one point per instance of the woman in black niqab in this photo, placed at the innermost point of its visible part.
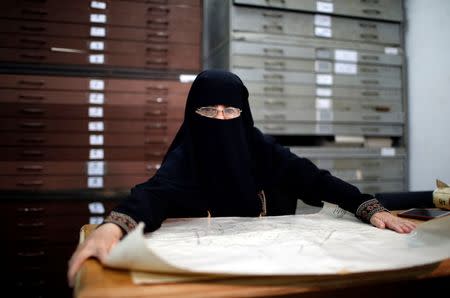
(229, 168)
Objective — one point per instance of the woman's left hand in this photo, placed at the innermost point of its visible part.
(385, 219)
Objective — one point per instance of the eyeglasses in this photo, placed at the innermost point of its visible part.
(212, 112)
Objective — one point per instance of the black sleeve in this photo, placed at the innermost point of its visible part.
(304, 180)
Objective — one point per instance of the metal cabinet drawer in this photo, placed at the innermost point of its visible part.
(18, 125)
(286, 103)
(312, 52)
(380, 9)
(304, 78)
(302, 24)
(79, 168)
(92, 84)
(22, 153)
(327, 116)
(313, 66)
(173, 56)
(68, 182)
(118, 13)
(308, 128)
(36, 140)
(39, 111)
(281, 90)
(187, 34)
(383, 186)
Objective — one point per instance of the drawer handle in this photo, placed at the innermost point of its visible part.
(155, 100)
(161, 34)
(372, 11)
(31, 183)
(30, 210)
(274, 102)
(32, 153)
(34, 12)
(382, 109)
(273, 27)
(33, 41)
(32, 124)
(158, 21)
(371, 82)
(275, 116)
(153, 113)
(268, 51)
(370, 70)
(156, 153)
(370, 1)
(31, 83)
(273, 77)
(368, 36)
(30, 168)
(272, 15)
(157, 50)
(274, 89)
(33, 140)
(155, 125)
(274, 65)
(39, 224)
(281, 2)
(367, 25)
(274, 127)
(370, 57)
(157, 61)
(370, 93)
(33, 111)
(31, 254)
(163, 9)
(31, 56)
(156, 1)
(31, 97)
(32, 29)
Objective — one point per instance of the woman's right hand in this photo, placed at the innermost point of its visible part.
(98, 244)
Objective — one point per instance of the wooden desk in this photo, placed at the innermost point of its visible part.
(96, 281)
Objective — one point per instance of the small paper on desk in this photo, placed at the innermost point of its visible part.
(331, 241)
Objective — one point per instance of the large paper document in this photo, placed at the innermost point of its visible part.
(331, 241)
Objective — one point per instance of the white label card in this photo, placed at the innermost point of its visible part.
(95, 112)
(346, 55)
(322, 20)
(324, 115)
(324, 79)
(324, 92)
(96, 98)
(324, 103)
(96, 140)
(96, 154)
(345, 68)
(95, 220)
(96, 84)
(391, 51)
(323, 32)
(324, 6)
(96, 208)
(96, 126)
(98, 31)
(387, 151)
(96, 168)
(98, 4)
(323, 66)
(98, 18)
(95, 182)
(97, 45)
(96, 58)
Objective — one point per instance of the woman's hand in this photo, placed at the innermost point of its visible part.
(385, 219)
(98, 245)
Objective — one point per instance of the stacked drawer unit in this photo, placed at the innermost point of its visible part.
(90, 91)
(36, 260)
(77, 132)
(139, 34)
(318, 71)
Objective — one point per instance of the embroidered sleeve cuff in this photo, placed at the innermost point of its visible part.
(369, 208)
(122, 220)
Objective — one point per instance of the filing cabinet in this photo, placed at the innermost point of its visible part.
(322, 76)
